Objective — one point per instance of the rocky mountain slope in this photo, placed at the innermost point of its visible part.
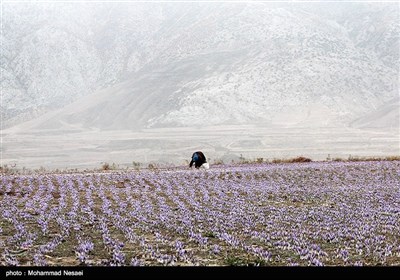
(131, 66)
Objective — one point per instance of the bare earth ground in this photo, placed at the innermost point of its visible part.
(90, 149)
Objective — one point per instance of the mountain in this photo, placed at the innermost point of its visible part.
(149, 65)
(385, 116)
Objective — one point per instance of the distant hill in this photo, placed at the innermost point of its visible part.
(387, 115)
(132, 66)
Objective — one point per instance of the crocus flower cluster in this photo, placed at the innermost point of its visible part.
(303, 214)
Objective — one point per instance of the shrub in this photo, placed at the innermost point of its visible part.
(106, 166)
(277, 160)
(151, 166)
(292, 160)
(392, 158)
(300, 159)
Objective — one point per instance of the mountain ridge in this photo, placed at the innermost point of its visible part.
(172, 64)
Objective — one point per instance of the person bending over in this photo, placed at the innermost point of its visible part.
(199, 160)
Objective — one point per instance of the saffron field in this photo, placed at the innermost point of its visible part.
(290, 214)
